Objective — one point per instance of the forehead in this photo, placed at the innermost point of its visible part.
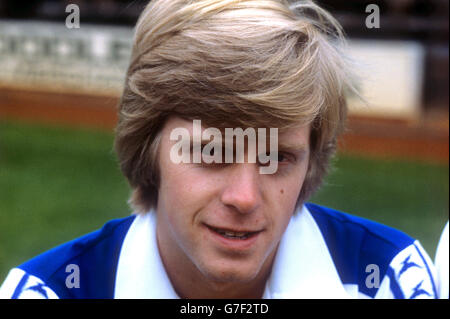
(293, 137)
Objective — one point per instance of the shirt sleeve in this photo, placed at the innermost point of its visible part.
(410, 275)
(21, 285)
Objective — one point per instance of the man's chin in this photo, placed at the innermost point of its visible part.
(231, 274)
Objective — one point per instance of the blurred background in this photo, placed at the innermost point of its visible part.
(59, 88)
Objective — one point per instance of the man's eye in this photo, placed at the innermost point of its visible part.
(285, 157)
(213, 156)
(282, 157)
(211, 151)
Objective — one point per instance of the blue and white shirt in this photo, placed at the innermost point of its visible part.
(322, 254)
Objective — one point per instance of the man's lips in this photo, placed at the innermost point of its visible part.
(234, 238)
(234, 230)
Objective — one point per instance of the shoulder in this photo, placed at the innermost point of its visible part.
(92, 257)
(370, 257)
(345, 232)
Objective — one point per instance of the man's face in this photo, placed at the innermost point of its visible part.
(226, 220)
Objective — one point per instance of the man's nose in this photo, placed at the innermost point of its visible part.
(243, 189)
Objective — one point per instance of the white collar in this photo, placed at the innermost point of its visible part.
(140, 271)
(303, 267)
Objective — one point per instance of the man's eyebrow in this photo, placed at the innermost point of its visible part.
(293, 147)
(284, 146)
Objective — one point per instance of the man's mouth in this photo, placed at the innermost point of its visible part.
(230, 234)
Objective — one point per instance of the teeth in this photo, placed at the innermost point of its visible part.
(241, 235)
(228, 233)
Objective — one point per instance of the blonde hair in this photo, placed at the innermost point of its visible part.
(231, 63)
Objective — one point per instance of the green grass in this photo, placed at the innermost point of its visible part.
(55, 185)
(412, 197)
(59, 183)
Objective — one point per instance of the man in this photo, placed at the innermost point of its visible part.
(213, 225)
(441, 263)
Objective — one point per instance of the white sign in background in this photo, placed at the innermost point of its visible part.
(391, 74)
(49, 56)
(94, 59)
